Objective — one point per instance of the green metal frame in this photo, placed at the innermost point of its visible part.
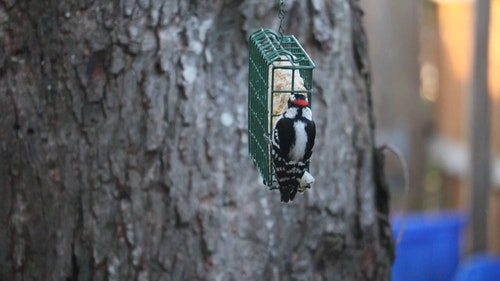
(266, 48)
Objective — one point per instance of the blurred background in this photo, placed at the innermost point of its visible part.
(422, 53)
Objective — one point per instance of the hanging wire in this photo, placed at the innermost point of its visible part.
(281, 15)
(406, 178)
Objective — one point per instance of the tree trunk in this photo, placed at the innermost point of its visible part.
(124, 146)
(479, 133)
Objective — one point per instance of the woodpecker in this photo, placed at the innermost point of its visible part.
(292, 144)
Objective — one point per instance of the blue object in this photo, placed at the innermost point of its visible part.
(479, 268)
(430, 246)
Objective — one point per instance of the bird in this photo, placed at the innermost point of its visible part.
(292, 143)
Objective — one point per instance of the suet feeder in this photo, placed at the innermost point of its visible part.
(278, 67)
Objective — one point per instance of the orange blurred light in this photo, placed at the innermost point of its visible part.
(456, 25)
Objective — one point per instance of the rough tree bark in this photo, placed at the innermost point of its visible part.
(123, 146)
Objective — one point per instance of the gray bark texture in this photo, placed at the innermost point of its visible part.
(123, 141)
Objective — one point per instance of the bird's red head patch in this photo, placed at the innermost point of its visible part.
(299, 100)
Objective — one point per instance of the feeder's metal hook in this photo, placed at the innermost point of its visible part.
(281, 15)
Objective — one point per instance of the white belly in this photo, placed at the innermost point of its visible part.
(298, 150)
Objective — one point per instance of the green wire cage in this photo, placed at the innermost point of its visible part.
(278, 67)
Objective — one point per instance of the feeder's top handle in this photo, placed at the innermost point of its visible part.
(281, 15)
(274, 45)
